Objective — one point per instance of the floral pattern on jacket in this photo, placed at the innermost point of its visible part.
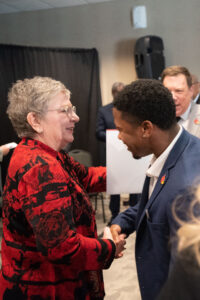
(50, 248)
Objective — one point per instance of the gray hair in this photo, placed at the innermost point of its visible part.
(31, 95)
(115, 86)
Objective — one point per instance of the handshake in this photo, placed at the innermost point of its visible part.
(114, 233)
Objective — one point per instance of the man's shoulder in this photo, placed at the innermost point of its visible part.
(195, 110)
(188, 137)
(192, 124)
(108, 106)
(187, 145)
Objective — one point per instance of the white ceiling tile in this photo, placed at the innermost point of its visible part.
(96, 1)
(5, 9)
(10, 6)
(9, 1)
(64, 3)
(29, 5)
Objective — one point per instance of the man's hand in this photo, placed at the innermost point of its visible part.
(116, 231)
(119, 240)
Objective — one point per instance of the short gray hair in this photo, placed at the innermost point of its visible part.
(31, 95)
(115, 87)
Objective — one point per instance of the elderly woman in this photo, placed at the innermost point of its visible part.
(50, 248)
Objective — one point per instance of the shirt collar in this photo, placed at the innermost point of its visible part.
(157, 164)
(186, 113)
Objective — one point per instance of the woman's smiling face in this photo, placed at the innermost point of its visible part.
(57, 125)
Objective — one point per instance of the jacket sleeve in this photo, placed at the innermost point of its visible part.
(127, 219)
(100, 126)
(48, 205)
(93, 178)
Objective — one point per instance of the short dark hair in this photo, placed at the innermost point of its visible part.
(147, 99)
(175, 71)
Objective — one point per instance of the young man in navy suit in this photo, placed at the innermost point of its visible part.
(145, 115)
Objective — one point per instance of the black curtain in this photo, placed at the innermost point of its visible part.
(78, 69)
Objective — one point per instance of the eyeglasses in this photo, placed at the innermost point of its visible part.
(69, 110)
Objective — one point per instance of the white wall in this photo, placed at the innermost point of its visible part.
(108, 28)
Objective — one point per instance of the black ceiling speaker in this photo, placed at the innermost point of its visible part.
(149, 58)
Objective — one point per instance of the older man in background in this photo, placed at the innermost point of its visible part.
(178, 80)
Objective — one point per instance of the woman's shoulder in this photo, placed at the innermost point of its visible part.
(29, 156)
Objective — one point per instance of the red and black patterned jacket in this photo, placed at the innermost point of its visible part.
(50, 248)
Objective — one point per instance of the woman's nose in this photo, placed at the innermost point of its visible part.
(75, 117)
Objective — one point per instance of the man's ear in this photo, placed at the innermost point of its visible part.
(147, 129)
(34, 122)
(191, 91)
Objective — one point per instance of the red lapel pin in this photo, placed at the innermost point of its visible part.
(162, 180)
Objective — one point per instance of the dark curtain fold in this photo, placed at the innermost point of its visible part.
(78, 69)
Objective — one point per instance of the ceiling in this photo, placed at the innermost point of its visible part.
(14, 6)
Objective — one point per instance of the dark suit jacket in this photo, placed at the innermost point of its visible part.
(105, 121)
(153, 220)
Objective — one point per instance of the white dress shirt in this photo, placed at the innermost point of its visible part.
(185, 117)
(157, 164)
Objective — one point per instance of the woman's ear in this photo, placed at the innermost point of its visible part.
(34, 122)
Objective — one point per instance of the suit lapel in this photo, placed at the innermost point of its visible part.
(162, 180)
(145, 203)
(144, 197)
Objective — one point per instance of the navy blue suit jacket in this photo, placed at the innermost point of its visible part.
(105, 121)
(153, 220)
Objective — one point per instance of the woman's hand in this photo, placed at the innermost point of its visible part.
(4, 149)
(120, 241)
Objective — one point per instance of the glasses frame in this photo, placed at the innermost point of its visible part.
(69, 110)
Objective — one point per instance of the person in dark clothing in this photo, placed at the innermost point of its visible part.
(4, 150)
(105, 121)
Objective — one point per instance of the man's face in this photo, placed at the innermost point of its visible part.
(181, 92)
(132, 135)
